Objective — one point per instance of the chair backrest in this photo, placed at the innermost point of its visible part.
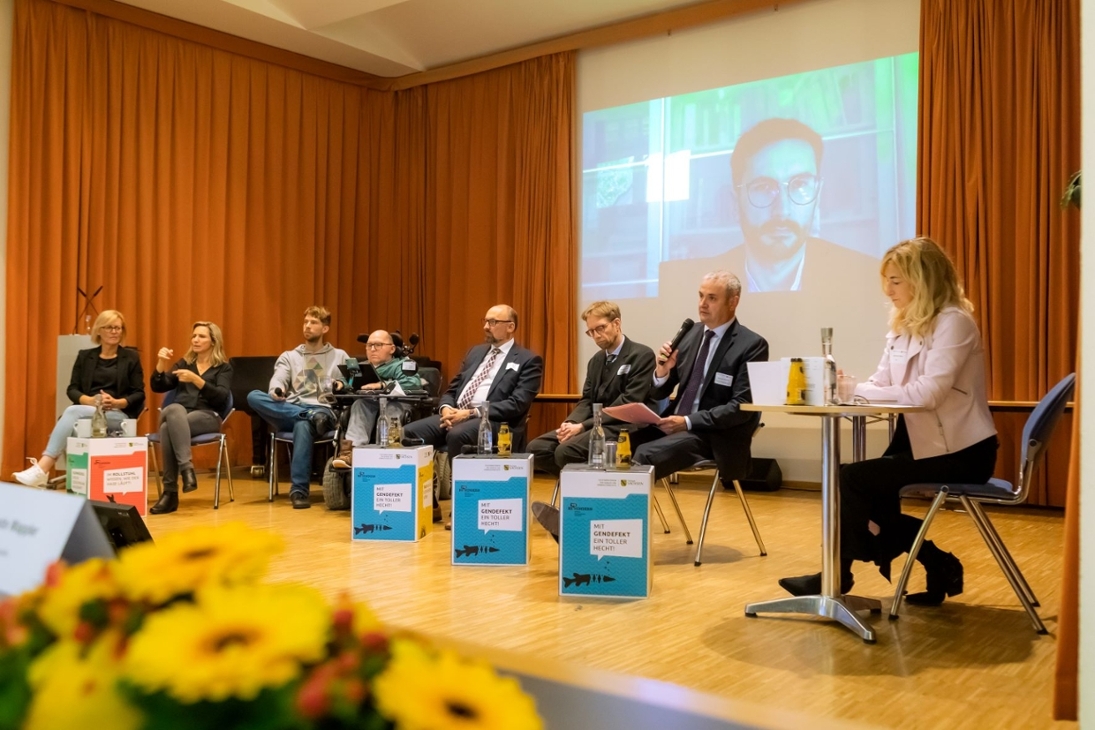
(1039, 427)
(432, 378)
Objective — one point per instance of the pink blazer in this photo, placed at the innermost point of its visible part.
(944, 372)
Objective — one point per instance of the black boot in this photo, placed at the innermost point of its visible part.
(945, 576)
(189, 479)
(168, 502)
(810, 585)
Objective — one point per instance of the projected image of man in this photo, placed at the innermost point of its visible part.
(775, 167)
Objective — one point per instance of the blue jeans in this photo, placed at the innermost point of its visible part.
(58, 440)
(285, 416)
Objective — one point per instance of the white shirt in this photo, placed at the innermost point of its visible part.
(480, 394)
(714, 345)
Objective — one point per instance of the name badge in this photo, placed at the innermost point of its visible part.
(624, 369)
(512, 366)
(410, 365)
(898, 356)
(724, 379)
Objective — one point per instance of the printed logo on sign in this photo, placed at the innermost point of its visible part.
(572, 507)
(506, 467)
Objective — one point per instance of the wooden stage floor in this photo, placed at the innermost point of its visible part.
(974, 662)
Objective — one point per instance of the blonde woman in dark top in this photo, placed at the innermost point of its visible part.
(202, 381)
(111, 372)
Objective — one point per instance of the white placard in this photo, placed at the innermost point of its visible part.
(79, 481)
(619, 538)
(38, 527)
(500, 514)
(121, 481)
(392, 497)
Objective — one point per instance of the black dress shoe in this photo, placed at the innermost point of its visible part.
(168, 502)
(945, 578)
(300, 500)
(548, 517)
(321, 421)
(189, 480)
(810, 585)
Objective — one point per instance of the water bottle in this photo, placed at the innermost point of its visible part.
(98, 420)
(597, 440)
(623, 450)
(505, 440)
(828, 375)
(486, 436)
(382, 424)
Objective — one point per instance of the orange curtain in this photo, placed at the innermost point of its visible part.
(1000, 138)
(194, 183)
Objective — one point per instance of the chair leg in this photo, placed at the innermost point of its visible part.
(217, 483)
(748, 515)
(156, 468)
(228, 468)
(978, 516)
(1016, 573)
(271, 477)
(706, 515)
(899, 589)
(677, 507)
(661, 515)
(555, 494)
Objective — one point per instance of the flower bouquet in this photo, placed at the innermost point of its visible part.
(184, 634)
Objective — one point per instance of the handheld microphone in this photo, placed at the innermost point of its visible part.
(279, 392)
(469, 449)
(687, 325)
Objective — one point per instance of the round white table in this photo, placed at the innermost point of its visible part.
(831, 603)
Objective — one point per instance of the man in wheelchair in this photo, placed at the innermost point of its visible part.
(393, 371)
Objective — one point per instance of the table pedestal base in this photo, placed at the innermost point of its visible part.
(838, 609)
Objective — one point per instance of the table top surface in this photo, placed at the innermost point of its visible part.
(851, 409)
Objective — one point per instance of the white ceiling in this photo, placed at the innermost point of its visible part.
(398, 37)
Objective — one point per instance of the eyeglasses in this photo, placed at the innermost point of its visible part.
(598, 330)
(378, 345)
(493, 322)
(764, 191)
(113, 328)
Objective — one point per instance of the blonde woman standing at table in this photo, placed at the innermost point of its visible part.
(202, 381)
(933, 359)
(109, 371)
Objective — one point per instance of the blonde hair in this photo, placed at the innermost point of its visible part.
(321, 313)
(219, 358)
(934, 282)
(103, 320)
(608, 310)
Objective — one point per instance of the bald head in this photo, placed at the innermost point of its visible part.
(380, 348)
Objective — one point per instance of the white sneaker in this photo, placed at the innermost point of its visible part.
(32, 476)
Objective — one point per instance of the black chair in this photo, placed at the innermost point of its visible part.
(253, 373)
(220, 438)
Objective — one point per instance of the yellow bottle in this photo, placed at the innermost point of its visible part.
(505, 440)
(796, 383)
(623, 450)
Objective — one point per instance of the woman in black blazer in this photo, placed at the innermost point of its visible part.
(202, 381)
(110, 372)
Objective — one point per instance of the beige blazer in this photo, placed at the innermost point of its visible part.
(943, 371)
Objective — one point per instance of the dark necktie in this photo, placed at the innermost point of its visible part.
(695, 378)
(484, 372)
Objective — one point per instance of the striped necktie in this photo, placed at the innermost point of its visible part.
(473, 386)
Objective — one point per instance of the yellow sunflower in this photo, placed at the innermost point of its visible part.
(88, 581)
(74, 688)
(185, 562)
(423, 690)
(230, 643)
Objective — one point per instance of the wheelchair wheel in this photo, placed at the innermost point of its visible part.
(442, 472)
(336, 487)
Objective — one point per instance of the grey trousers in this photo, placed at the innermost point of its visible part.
(177, 427)
(363, 417)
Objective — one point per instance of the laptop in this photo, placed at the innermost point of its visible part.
(358, 374)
